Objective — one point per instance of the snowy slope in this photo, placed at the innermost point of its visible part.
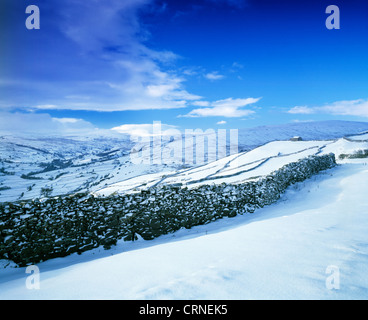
(239, 168)
(280, 252)
(360, 137)
(67, 165)
(322, 130)
(91, 163)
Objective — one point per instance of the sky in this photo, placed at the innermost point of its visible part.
(189, 64)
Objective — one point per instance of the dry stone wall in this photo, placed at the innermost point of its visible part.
(41, 229)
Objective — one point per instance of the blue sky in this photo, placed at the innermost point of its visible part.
(189, 64)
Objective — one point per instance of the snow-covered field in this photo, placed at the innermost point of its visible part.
(92, 163)
(28, 164)
(241, 167)
(283, 251)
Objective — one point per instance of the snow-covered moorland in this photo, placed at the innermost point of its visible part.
(290, 249)
(35, 231)
(32, 166)
(283, 251)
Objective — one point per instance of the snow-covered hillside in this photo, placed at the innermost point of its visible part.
(32, 166)
(241, 167)
(250, 138)
(284, 251)
(63, 165)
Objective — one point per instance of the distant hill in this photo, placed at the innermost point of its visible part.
(250, 138)
(33, 164)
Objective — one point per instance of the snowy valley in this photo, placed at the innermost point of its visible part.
(282, 248)
(37, 166)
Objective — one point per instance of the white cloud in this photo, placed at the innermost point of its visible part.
(42, 123)
(109, 62)
(348, 108)
(93, 32)
(47, 107)
(213, 76)
(171, 91)
(229, 108)
(141, 81)
(190, 72)
(301, 110)
(237, 65)
(67, 120)
(142, 130)
(201, 103)
(221, 122)
(105, 64)
(161, 90)
(357, 108)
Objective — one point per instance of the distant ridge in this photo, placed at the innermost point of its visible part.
(250, 138)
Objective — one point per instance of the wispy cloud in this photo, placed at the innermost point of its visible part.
(357, 108)
(19, 123)
(236, 67)
(141, 80)
(201, 103)
(142, 130)
(229, 108)
(99, 50)
(301, 110)
(213, 76)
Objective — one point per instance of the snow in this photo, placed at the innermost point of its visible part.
(280, 252)
(82, 175)
(102, 159)
(250, 138)
(241, 167)
(136, 183)
(344, 146)
(361, 137)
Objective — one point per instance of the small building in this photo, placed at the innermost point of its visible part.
(296, 139)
